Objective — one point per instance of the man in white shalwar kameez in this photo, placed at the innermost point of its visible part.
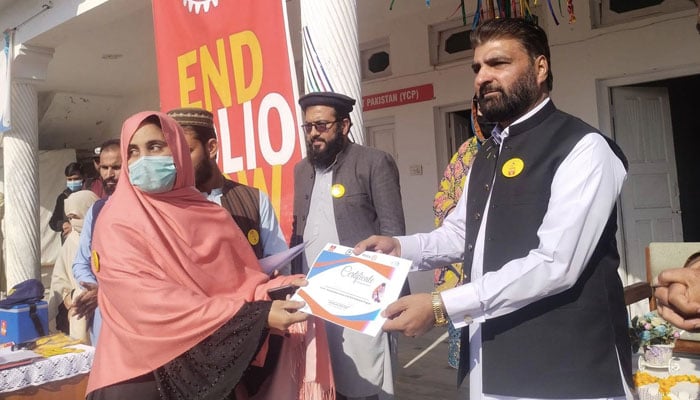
(535, 226)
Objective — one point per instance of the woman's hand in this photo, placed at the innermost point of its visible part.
(66, 228)
(285, 313)
(300, 281)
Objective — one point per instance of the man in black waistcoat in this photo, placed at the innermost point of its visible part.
(250, 207)
(544, 313)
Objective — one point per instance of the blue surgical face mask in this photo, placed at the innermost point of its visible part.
(74, 186)
(153, 174)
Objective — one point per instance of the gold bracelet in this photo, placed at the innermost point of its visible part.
(439, 310)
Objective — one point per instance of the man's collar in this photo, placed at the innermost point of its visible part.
(215, 192)
(343, 153)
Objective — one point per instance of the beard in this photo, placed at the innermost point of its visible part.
(108, 185)
(324, 158)
(510, 103)
(485, 125)
(203, 172)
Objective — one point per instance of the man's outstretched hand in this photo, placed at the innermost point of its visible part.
(379, 244)
(411, 315)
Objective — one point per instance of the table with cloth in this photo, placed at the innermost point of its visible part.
(685, 367)
(59, 377)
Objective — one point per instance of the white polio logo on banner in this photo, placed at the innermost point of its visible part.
(6, 81)
(198, 5)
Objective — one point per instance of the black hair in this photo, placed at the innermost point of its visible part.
(340, 116)
(531, 37)
(202, 133)
(152, 119)
(109, 144)
(73, 169)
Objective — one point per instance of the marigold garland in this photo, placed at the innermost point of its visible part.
(665, 384)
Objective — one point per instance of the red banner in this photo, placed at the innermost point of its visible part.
(398, 97)
(234, 58)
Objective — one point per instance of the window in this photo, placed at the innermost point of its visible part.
(611, 12)
(375, 59)
(449, 41)
(378, 62)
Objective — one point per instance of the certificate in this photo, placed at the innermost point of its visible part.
(352, 290)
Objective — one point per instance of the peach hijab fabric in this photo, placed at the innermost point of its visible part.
(172, 268)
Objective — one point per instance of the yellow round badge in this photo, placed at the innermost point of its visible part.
(95, 261)
(253, 237)
(337, 190)
(513, 167)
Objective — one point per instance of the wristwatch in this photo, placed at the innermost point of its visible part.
(439, 310)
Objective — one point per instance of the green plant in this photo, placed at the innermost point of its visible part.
(650, 329)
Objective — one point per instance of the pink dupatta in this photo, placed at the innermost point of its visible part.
(172, 268)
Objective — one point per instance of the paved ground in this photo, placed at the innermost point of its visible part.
(430, 377)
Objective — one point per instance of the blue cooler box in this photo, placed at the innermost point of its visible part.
(17, 326)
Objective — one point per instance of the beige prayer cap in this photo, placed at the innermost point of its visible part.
(191, 116)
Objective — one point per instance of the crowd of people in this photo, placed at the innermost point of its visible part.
(160, 270)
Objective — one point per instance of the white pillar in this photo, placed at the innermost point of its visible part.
(20, 154)
(21, 168)
(331, 53)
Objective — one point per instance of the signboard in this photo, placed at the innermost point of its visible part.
(234, 58)
(399, 97)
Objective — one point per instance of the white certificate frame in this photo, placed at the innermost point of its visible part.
(352, 290)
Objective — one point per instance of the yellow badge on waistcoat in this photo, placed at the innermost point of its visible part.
(337, 190)
(253, 237)
(95, 261)
(513, 167)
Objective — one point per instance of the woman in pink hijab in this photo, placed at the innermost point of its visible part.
(182, 296)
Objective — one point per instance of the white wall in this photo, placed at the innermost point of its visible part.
(580, 57)
(143, 101)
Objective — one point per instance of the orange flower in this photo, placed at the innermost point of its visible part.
(665, 384)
